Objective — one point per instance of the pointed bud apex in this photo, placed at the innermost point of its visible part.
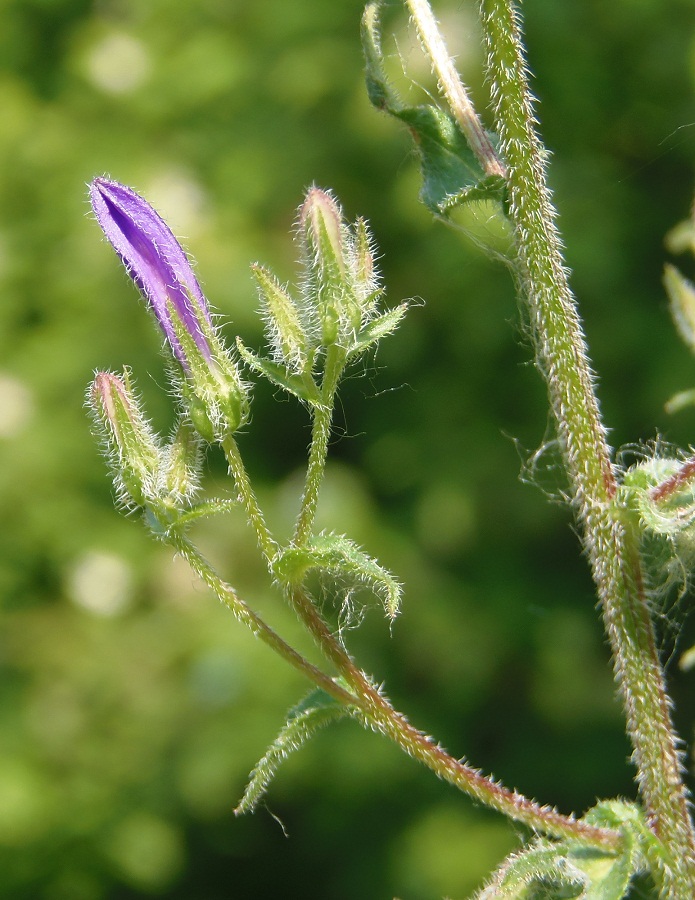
(131, 444)
(322, 221)
(154, 260)
(284, 326)
(158, 265)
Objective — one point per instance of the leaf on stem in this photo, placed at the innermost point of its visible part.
(336, 555)
(451, 173)
(317, 710)
(562, 869)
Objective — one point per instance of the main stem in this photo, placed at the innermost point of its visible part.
(612, 549)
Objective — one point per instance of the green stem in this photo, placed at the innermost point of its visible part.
(320, 435)
(248, 498)
(376, 711)
(612, 549)
(244, 614)
(380, 715)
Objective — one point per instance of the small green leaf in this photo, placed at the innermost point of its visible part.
(337, 555)
(377, 329)
(317, 710)
(562, 869)
(301, 386)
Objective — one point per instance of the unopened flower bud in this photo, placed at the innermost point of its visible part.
(320, 221)
(156, 262)
(131, 444)
(341, 284)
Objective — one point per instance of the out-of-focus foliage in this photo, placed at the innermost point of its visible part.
(131, 705)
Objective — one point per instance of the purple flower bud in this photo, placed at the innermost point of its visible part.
(156, 262)
(212, 390)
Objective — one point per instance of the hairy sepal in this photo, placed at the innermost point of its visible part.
(301, 386)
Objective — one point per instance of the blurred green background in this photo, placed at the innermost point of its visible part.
(132, 706)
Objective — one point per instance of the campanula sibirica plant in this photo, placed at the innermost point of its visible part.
(315, 332)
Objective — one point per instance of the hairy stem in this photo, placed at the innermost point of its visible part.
(320, 435)
(248, 498)
(377, 713)
(612, 549)
(244, 614)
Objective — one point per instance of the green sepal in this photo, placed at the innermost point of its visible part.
(286, 332)
(378, 328)
(302, 386)
(181, 464)
(337, 555)
(315, 711)
(451, 173)
(213, 392)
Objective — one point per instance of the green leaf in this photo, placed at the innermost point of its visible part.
(377, 329)
(451, 173)
(337, 555)
(609, 877)
(540, 870)
(302, 386)
(316, 711)
(562, 869)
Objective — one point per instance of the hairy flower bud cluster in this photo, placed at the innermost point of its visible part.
(337, 307)
(340, 281)
(159, 479)
(212, 389)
